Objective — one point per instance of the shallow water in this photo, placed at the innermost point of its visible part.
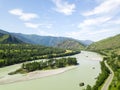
(66, 81)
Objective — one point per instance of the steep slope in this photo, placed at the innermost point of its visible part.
(23, 37)
(6, 38)
(109, 43)
(4, 32)
(70, 44)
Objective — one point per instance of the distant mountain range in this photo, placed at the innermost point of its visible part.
(86, 42)
(47, 40)
(40, 40)
(108, 43)
(60, 42)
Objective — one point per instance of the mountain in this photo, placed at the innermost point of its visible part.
(7, 38)
(86, 42)
(4, 32)
(108, 43)
(41, 40)
(62, 42)
(71, 44)
(47, 40)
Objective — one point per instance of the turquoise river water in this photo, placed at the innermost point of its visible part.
(87, 71)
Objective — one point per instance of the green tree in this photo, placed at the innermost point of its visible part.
(88, 87)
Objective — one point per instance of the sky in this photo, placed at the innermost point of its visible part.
(79, 19)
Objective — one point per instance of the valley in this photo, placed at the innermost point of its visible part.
(60, 45)
(33, 61)
(69, 79)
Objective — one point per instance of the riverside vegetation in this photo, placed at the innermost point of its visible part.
(43, 65)
(113, 59)
(110, 49)
(17, 53)
(101, 78)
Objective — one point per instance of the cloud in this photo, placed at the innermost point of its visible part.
(114, 22)
(93, 22)
(32, 25)
(96, 28)
(93, 34)
(23, 16)
(106, 7)
(88, 32)
(35, 26)
(44, 33)
(102, 15)
(48, 26)
(27, 17)
(64, 7)
(100, 22)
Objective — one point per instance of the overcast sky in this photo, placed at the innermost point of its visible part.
(79, 19)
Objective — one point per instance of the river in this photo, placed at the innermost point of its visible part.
(87, 71)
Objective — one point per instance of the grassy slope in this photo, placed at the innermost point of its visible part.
(109, 43)
(108, 47)
(71, 44)
(6, 38)
(3, 37)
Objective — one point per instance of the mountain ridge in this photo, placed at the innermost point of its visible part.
(7, 38)
(49, 40)
(108, 43)
(71, 44)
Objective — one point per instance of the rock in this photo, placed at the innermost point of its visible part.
(81, 84)
(93, 68)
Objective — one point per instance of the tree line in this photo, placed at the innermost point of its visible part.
(114, 62)
(46, 64)
(101, 78)
(17, 53)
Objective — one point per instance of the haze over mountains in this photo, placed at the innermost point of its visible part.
(47, 40)
(61, 42)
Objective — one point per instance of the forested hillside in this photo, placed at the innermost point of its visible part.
(7, 38)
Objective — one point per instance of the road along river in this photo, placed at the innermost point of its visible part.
(87, 71)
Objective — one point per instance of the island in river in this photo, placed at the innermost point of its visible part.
(45, 65)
